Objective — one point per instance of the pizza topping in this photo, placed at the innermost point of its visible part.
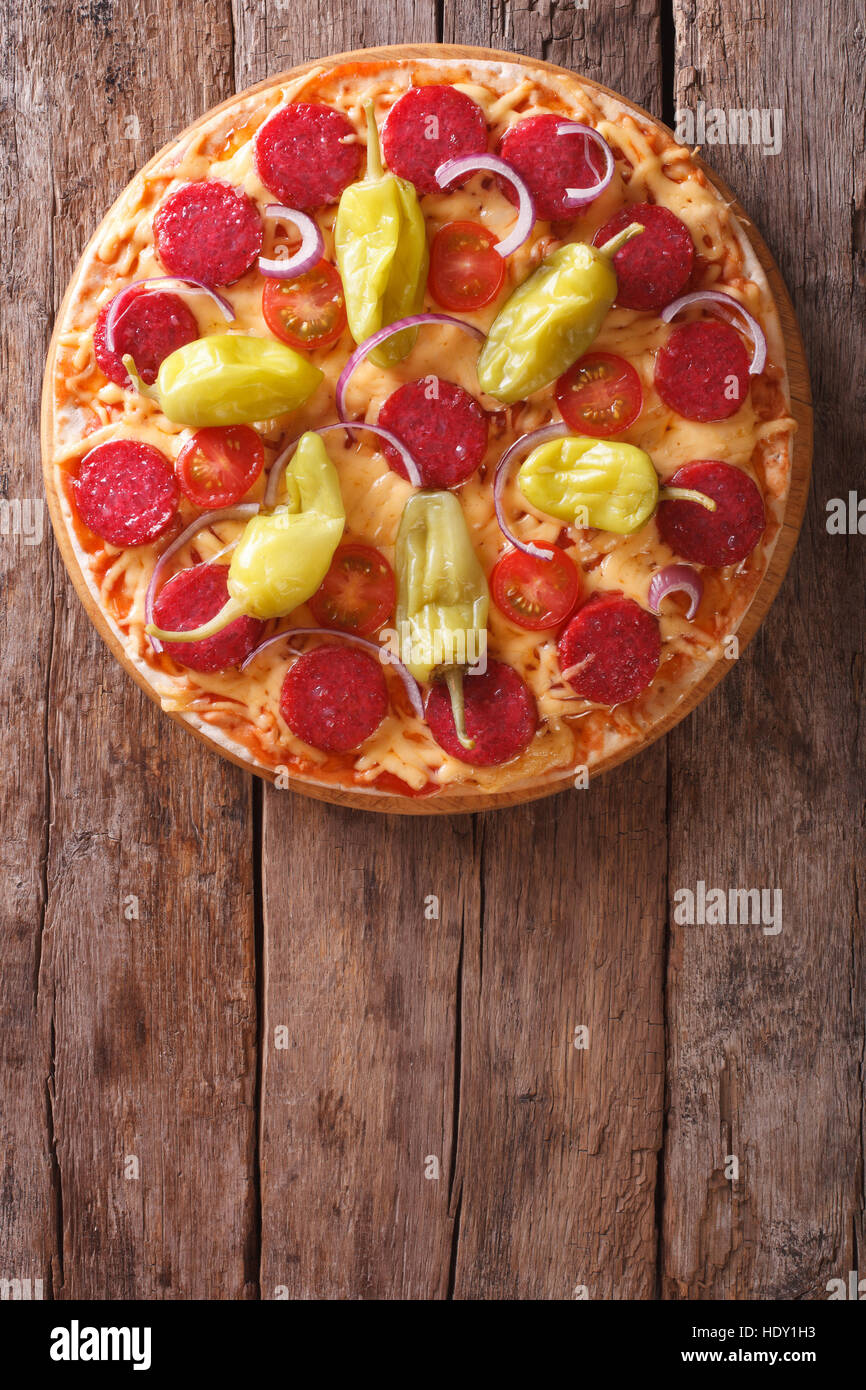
(676, 579)
(466, 269)
(500, 715)
(730, 309)
(600, 395)
(725, 536)
(218, 465)
(209, 231)
(610, 650)
(151, 326)
(591, 482)
(653, 268)
(334, 698)
(306, 154)
(358, 591)
(521, 446)
(428, 126)
(126, 492)
(535, 593)
(702, 372)
(383, 653)
(308, 254)
(443, 426)
(201, 523)
(561, 170)
(307, 312)
(369, 346)
(229, 379)
(275, 477)
(550, 320)
(453, 168)
(191, 598)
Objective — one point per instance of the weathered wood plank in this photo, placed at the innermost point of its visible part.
(766, 1031)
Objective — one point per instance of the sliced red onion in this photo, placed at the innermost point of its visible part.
(279, 464)
(676, 579)
(714, 300)
(580, 196)
(492, 164)
(156, 284)
(523, 445)
(308, 254)
(412, 688)
(376, 339)
(201, 523)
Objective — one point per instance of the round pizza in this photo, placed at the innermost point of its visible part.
(420, 425)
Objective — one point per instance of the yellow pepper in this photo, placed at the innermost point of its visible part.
(597, 482)
(282, 557)
(381, 246)
(229, 379)
(442, 596)
(551, 319)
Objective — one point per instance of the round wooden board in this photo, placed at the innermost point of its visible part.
(459, 800)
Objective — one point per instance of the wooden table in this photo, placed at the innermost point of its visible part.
(242, 1056)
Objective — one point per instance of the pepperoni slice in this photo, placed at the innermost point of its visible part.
(702, 372)
(334, 698)
(653, 268)
(442, 426)
(428, 125)
(306, 154)
(725, 536)
(501, 716)
(549, 164)
(151, 326)
(126, 492)
(193, 597)
(611, 648)
(208, 231)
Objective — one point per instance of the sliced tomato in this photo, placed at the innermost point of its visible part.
(219, 464)
(309, 311)
(466, 270)
(600, 395)
(357, 594)
(535, 593)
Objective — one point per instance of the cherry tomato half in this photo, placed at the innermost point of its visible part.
(358, 592)
(600, 395)
(309, 311)
(466, 270)
(219, 464)
(535, 593)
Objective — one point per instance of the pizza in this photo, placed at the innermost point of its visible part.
(420, 425)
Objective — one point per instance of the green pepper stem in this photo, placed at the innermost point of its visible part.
(454, 680)
(149, 391)
(227, 614)
(686, 494)
(611, 247)
(375, 167)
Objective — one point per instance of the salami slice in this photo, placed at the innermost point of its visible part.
(208, 231)
(702, 372)
(653, 268)
(193, 597)
(610, 650)
(725, 536)
(126, 492)
(306, 154)
(442, 426)
(501, 716)
(549, 164)
(151, 326)
(428, 125)
(334, 698)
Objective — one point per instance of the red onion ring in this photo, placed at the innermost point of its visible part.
(710, 299)
(201, 523)
(412, 688)
(308, 254)
(524, 444)
(676, 579)
(580, 196)
(375, 339)
(273, 487)
(157, 284)
(492, 164)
